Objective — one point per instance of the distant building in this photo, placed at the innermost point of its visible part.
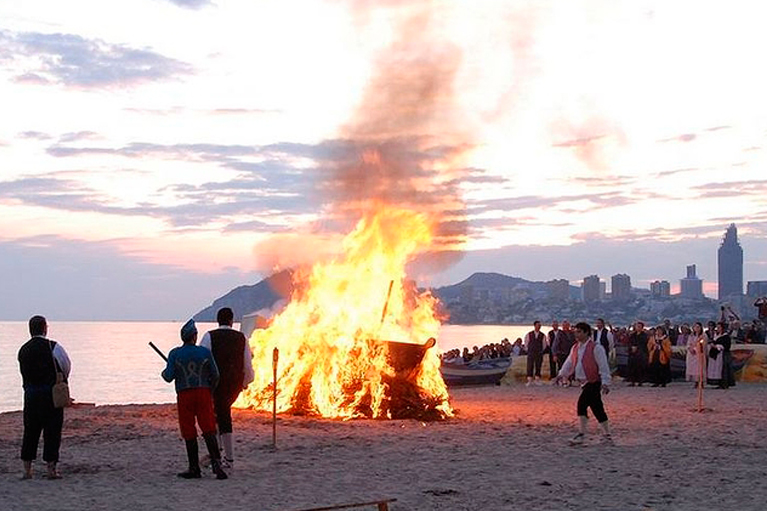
(730, 259)
(660, 288)
(691, 286)
(591, 289)
(621, 287)
(756, 288)
(558, 289)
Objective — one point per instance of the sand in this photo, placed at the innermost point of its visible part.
(505, 449)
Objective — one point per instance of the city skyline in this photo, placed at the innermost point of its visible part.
(147, 170)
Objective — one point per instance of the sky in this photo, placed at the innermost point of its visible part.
(155, 154)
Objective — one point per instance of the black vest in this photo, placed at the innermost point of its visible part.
(535, 343)
(36, 362)
(228, 347)
(603, 340)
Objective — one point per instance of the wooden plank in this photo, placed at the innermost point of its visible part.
(383, 505)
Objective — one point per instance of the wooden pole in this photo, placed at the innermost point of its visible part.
(275, 358)
(701, 362)
(386, 303)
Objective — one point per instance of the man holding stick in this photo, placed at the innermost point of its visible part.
(234, 360)
(195, 373)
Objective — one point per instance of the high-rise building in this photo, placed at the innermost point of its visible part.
(691, 286)
(756, 288)
(591, 288)
(730, 258)
(558, 288)
(660, 288)
(621, 287)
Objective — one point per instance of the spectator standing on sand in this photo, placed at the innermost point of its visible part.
(637, 363)
(696, 344)
(604, 337)
(659, 349)
(553, 334)
(535, 342)
(39, 360)
(587, 362)
(235, 365)
(720, 359)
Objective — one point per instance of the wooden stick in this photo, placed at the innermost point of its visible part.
(701, 361)
(157, 350)
(383, 505)
(275, 358)
(386, 303)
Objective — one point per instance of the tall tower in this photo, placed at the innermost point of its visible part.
(730, 264)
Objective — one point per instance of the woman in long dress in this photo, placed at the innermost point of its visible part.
(719, 359)
(696, 345)
(659, 348)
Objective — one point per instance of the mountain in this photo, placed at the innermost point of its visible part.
(246, 299)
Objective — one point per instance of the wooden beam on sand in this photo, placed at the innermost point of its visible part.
(383, 505)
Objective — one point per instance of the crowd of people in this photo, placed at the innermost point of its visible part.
(649, 350)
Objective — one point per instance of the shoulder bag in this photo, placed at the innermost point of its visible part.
(60, 390)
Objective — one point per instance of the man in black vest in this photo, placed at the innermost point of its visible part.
(553, 334)
(604, 337)
(535, 342)
(38, 358)
(234, 360)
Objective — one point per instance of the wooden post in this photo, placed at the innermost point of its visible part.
(701, 362)
(275, 358)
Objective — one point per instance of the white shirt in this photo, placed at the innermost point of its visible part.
(610, 339)
(61, 357)
(247, 366)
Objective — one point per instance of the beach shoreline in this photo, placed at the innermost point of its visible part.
(505, 449)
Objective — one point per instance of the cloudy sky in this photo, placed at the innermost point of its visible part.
(154, 154)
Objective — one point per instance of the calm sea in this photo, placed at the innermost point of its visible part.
(112, 362)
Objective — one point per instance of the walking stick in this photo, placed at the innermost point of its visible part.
(275, 358)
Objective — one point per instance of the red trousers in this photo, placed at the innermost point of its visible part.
(196, 403)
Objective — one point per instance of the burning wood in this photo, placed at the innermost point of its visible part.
(332, 363)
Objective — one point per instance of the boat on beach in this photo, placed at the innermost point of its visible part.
(488, 371)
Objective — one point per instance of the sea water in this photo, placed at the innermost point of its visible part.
(112, 362)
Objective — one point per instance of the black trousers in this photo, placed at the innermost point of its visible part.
(534, 363)
(223, 397)
(41, 416)
(552, 366)
(591, 397)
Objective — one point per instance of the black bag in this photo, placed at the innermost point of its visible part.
(713, 353)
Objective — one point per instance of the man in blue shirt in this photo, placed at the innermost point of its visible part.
(196, 374)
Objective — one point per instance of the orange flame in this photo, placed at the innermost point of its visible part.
(332, 361)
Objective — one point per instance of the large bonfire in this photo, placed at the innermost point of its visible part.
(355, 338)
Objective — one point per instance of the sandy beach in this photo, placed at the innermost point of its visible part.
(505, 449)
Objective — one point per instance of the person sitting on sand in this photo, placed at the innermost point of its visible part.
(195, 373)
(588, 363)
(38, 361)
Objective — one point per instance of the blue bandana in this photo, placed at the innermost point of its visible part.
(188, 330)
